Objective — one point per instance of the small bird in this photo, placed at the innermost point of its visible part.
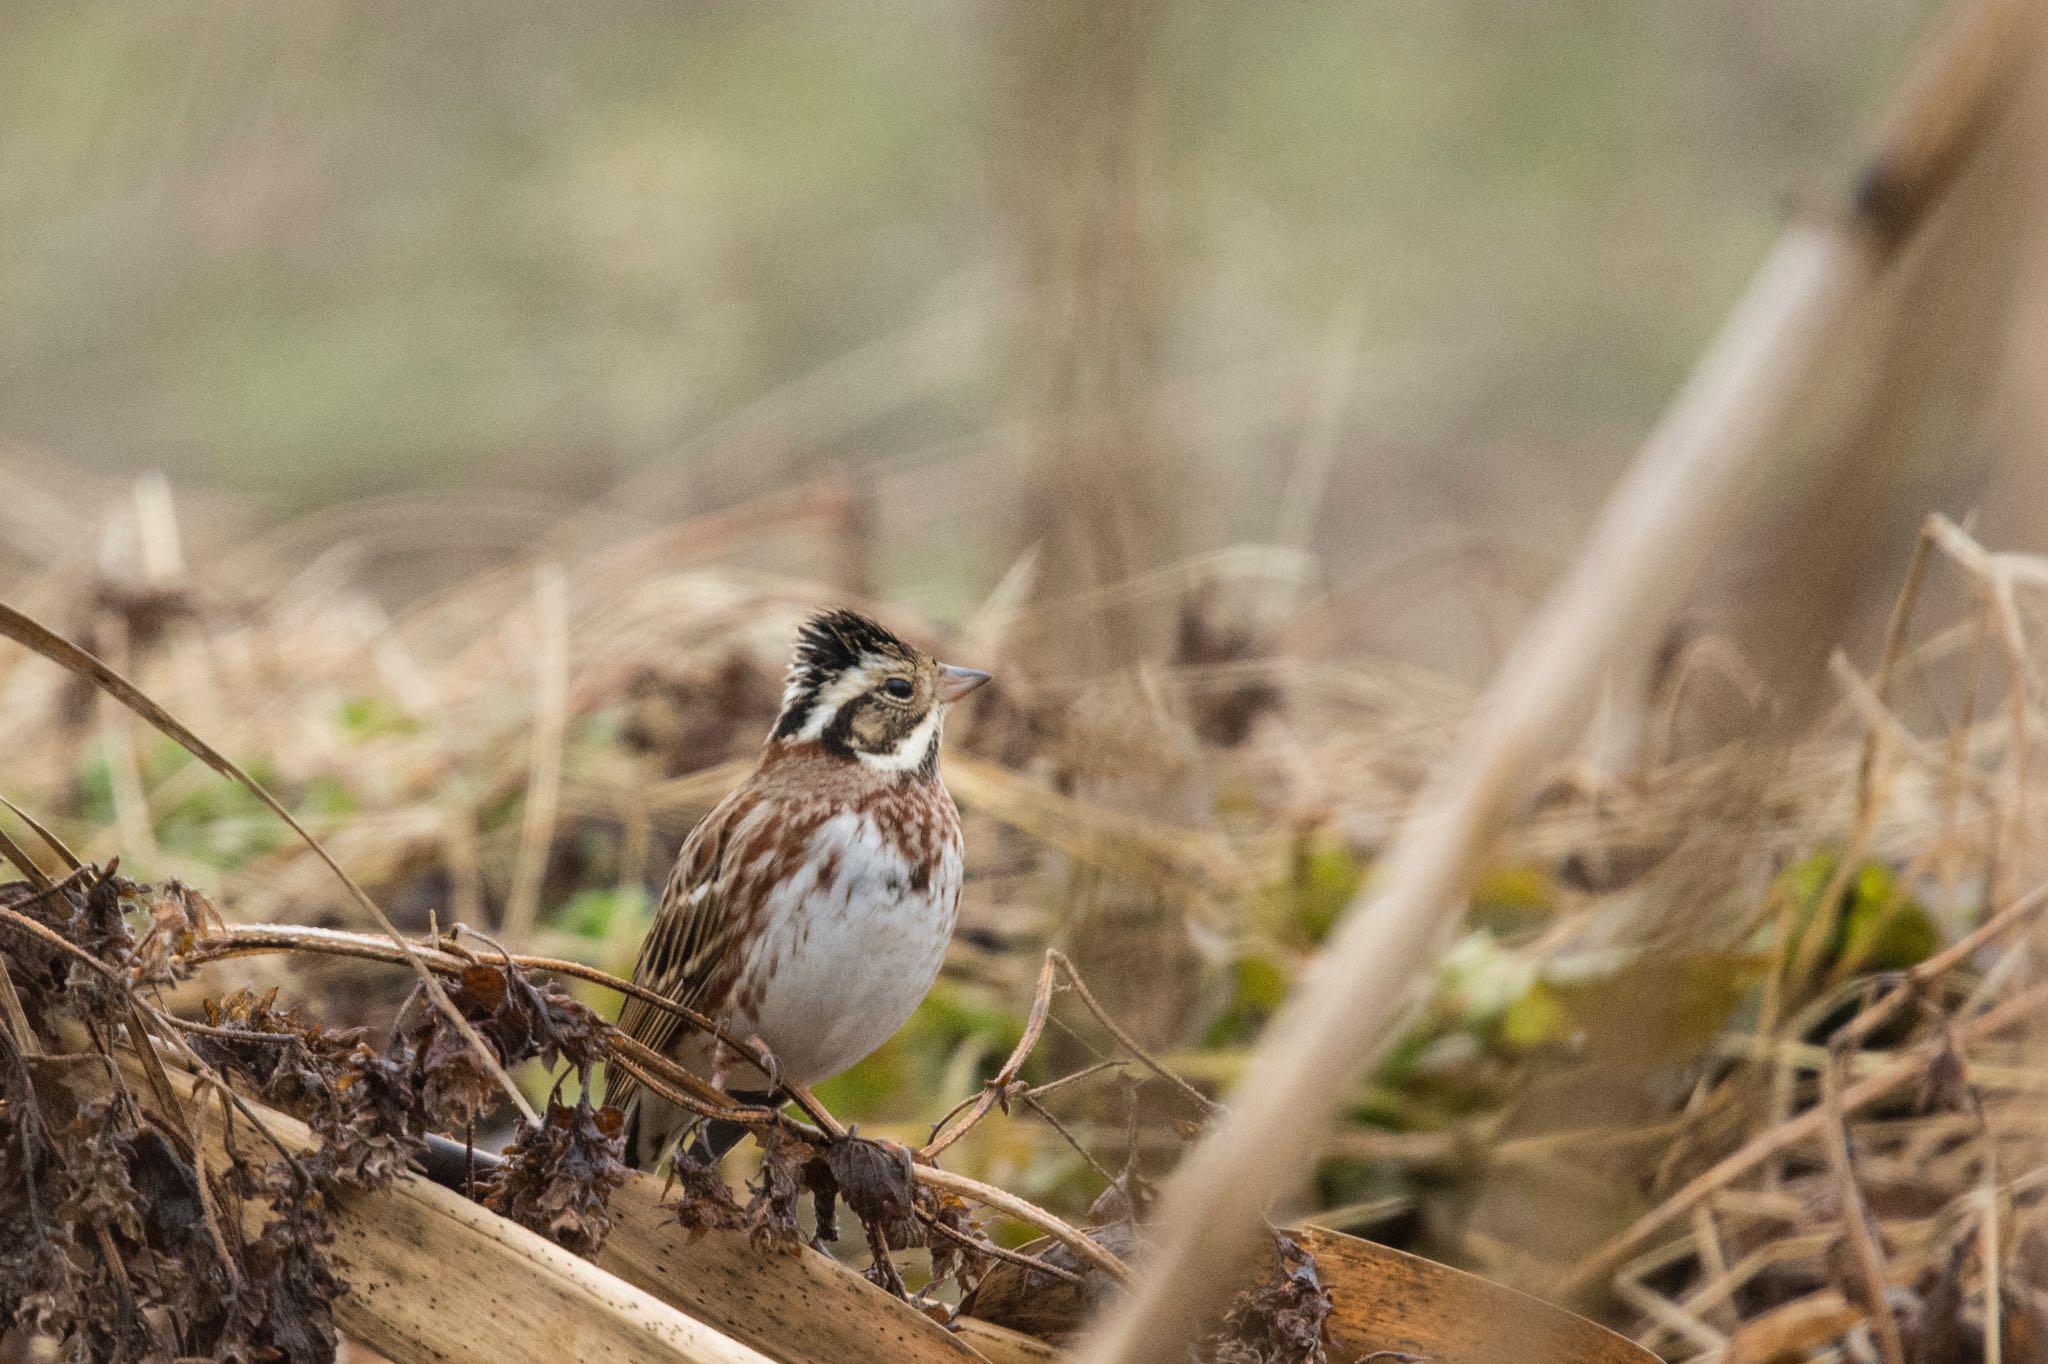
(811, 908)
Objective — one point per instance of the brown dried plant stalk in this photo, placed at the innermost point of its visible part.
(672, 1081)
(1654, 532)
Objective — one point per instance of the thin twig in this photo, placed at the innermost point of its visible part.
(242, 940)
(816, 1111)
(215, 1224)
(983, 1246)
(685, 1097)
(1001, 1087)
(1862, 1237)
(997, 1089)
(1916, 978)
(1042, 1111)
(63, 944)
(1207, 1106)
(1002, 1200)
(191, 1025)
(1051, 1087)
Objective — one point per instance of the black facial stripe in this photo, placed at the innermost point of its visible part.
(795, 712)
(867, 724)
(838, 735)
(928, 767)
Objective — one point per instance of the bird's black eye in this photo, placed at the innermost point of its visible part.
(898, 687)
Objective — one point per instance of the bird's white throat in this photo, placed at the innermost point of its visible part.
(911, 750)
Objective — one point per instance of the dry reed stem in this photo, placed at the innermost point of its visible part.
(1706, 1234)
(1670, 1317)
(1870, 769)
(1953, 772)
(1995, 577)
(1863, 1241)
(1303, 496)
(25, 1040)
(1651, 536)
(16, 1018)
(50, 840)
(994, 1251)
(1798, 959)
(153, 1070)
(1994, 1313)
(1882, 730)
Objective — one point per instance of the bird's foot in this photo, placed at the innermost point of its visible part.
(769, 1066)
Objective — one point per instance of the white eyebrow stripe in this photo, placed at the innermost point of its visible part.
(848, 685)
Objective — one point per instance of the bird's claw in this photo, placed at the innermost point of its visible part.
(770, 1067)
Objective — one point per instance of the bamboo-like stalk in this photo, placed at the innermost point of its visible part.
(1652, 536)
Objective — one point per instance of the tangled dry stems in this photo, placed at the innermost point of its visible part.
(372, 1110)
(1947, 807)
(1889, 1201)
(679, 1085)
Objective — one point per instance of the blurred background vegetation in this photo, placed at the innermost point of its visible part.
(342, 249)
(1231, 378)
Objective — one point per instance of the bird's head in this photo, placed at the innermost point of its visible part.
(867, 696)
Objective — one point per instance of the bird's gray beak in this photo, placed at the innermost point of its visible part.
(955, 683)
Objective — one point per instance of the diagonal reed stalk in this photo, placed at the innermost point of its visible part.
(1652, 536)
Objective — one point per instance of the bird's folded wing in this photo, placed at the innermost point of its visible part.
(692, 933)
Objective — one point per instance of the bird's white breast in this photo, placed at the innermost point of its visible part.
(850, 945)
